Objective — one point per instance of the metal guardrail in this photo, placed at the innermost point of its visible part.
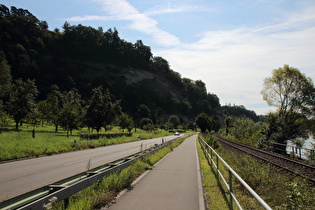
(210, 152)
(63, 189)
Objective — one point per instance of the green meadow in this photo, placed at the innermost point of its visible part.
(17, 144)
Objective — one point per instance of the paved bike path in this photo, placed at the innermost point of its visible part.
(174, 183)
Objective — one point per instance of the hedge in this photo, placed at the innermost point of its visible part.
(106, 135)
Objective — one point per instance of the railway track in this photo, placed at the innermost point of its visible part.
(297, 167)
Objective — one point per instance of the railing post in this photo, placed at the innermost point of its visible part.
(217, 165)
(66, 203)
(231, 189)
(210, 152)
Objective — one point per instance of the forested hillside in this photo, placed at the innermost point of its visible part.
(83, 58)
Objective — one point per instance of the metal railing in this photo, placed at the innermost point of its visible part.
(300, 152)
(63, 189)
(214, 159)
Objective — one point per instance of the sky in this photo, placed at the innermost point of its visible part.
(231, 45)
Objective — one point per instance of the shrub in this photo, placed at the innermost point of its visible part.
(106, 135)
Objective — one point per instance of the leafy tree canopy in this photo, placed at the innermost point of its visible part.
(293, 94)
(84, 58)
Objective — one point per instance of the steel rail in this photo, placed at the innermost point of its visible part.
(293, 166)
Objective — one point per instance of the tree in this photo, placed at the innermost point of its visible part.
(142, 111)
(22, 100)
(5, 75)
(203, 122)
(160, 64)
(53, 106)
(71, 117)
(125, 121)
(5, 81)
(174, 121)
(71, 111)
(293, 94)
(33, 118)
(146, 124)
(4, 119)
(101, 110)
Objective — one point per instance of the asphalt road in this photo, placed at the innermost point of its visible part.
(174, 183)
(19, 177)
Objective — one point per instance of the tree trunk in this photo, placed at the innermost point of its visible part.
(33, 133)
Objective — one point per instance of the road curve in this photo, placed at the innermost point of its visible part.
(20, 177)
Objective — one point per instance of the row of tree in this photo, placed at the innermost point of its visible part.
(84, 58)
(68, 110)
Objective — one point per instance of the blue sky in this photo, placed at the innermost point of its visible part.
(230, 45)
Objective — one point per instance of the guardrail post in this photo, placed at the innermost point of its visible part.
(231, 189)
(66, 203)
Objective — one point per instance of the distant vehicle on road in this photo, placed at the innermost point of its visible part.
(176, 134)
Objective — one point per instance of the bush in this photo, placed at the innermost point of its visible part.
(106, 135)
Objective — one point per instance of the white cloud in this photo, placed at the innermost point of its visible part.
(89, 18)
(178, 9)
(233, 63)
(123, 10)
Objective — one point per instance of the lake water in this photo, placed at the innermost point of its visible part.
(307, 145)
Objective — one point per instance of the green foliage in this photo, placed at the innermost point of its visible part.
(101, 110)
(245, 130)
(239, 111)
(204, 122)
(22, 99)
(146, 124)
(106, 135)
(276, 187)
(292, 93)
(298, 196)
(125, 122)
(5, 77)
(173, 120)
(214, 193)
(16, 144)
(52, 106)
(85, 58)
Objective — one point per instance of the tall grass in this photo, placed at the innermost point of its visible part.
(278, 188)
(20, 144)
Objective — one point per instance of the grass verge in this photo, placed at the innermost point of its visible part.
(278, 188)
(103, 193)
(20, 144)
(214, 193)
